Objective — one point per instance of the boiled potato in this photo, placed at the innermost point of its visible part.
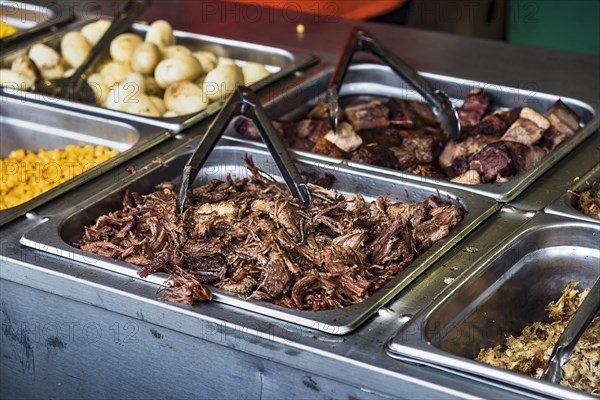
(176, 69)
(99, 87)
(152, 88)
(222, 81)
(254, 72)
(122, 47)
(74, 48)
(69, 72)
(94, 31)
(159, 103)
(24, 66)
(14, 80)
(115, 72)
(47, 60)
(185, 98)
(172, 51)
(170, 114)
(122, 95)
(145, 58)
(161, 34)
(141, 104)
(207, 59)
(225, 61)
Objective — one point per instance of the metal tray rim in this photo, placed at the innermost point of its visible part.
(148, 136)
(502, 192)
(336, 322)
(562, 205)
(416, 348)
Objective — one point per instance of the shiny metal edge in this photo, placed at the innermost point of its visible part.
(47, 17)
(46, 237)
(410, 344)
(502, 192)
(298, 60)
(565, 205)
(148, 136)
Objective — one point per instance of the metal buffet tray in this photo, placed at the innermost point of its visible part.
(505, 290)
(55, 235)
(375, 80)
(25, 125)
(278, 61)
(30, 19)
(566, 204)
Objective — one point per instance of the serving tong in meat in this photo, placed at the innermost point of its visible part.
(75, 87)
(361, 40)
(570, 336)
(244, 103)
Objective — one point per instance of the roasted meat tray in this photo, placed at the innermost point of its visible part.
(373, 85)
(278, 62)
(570, 203)
(30, 19)
(31, 126)
(56, 235)
(507, 289)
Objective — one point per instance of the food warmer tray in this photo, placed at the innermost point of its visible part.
(55, 235)
(26, 125)
(278, 61)
(376, 80)
(506, 289)
(31, 19)
(566, 204)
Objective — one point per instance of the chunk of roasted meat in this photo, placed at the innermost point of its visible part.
(251, 238)
(473, 108)
(405, 135)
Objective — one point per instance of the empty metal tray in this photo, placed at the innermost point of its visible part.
(25, 125)
(505, 290)
(278, 61)
(375, 80)
(55, 235)
(566, 204)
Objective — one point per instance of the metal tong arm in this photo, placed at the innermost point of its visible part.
(243, 102)
(568, 339)
(360, 40)
(128, 11)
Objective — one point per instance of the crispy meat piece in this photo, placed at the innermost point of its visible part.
(528, 129)
(424, 113)
(367, 115)
(319, 111)
(493, 160)
(457, 149)
(497, 122)
(389, 136)
(344, 137)
(563, 124)
(401, 114)
(373, 154)
(474, 107)
(417, 148)
(525, 157)
(589, 201)
(251, 238)
(469, 177)
(324, 146)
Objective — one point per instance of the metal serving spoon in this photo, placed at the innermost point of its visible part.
(243, 102)
(75, 87)
(570, 336)
(361, 40)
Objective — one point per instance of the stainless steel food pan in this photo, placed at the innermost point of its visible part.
(374, 80)
(566, 204)
(55, 235)
(25, 125)
(278, 61)
(505, 290)
(31, 19)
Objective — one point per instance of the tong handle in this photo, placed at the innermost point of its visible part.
(243, 102)
(361, 40)
(568, 339)
(128, 11)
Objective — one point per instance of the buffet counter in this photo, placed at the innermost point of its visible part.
(73, 328)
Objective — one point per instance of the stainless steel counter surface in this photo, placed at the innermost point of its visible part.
(70, 331)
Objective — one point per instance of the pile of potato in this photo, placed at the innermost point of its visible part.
(152, 76)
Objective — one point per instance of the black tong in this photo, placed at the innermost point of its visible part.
(243, 102)
(361, 40)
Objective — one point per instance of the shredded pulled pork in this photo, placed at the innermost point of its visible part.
(529, 352)
(589, 201)
(250, 237)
